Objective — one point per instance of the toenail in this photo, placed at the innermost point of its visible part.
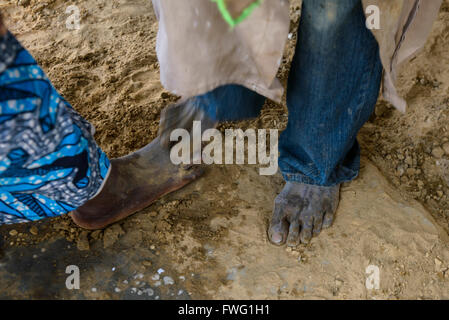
(276, 238)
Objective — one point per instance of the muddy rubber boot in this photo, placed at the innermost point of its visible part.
(135, 181)
(139, 179)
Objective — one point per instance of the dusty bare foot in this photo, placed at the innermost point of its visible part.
(135, 181)
(301, 211)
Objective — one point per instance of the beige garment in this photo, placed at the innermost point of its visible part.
(199, 52)
(405, 26)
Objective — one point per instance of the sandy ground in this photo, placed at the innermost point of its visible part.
(209, 239)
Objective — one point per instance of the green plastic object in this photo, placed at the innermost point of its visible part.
(229, 18)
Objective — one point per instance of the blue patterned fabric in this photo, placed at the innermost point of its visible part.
(49, 161)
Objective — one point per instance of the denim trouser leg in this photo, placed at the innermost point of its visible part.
(332, 91)
(333, 87)
(230, 103)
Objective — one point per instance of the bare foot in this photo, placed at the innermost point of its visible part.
(301, 211)
(135, 181)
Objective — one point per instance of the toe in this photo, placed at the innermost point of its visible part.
(330, 208)
(293, 235)
(278, 233)
(317, 224)
(306, 232)
(328, 216)
(328, 220)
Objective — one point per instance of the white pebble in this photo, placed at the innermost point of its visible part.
(149, 291)
(155, 277)
(138, 276)
(168, 281)
(160, 271)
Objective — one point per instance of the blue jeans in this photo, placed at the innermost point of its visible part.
(332, 91)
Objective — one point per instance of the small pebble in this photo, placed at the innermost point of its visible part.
(160, 271)
(23, 3)
(94, 289)
(438, 264)
(168, 281)
(13, 233)
(33, 231)
(153, 213)
(147, 263)
(149, 291)
(138, 276)
(338, 282)
(446, 148)
(438, 152)
(155, 277)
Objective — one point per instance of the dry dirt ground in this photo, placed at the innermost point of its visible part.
(208, 240)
